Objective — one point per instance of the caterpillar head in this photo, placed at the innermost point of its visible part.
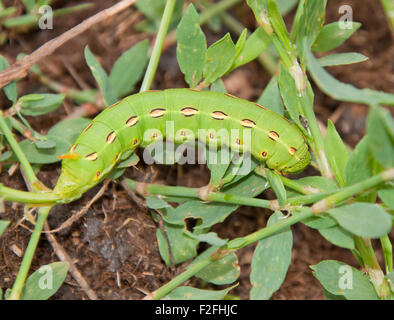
(75, 179)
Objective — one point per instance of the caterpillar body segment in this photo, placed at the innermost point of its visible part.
(143, 118)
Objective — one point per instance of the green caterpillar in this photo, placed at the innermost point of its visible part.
(117, 131)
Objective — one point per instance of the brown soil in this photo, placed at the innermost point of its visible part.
(114, 245)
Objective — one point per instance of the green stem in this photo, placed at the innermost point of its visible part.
(175, 282)
(18, 151)
(198, 193)
(10, 194)
(345, 193)
(372, 266)
(387, 249)
(238, 243)
(226, 250)
(29, 254)
(291, 184)
(161, 35)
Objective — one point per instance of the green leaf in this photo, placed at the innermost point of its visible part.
(191, 47)
(10, 89)
(182, 247)
(387, 196)
(360, 164)
(212, 213)
(322, 221)
(210, 238)
(271, 260)
(29, 4)
(101, 77)
(341, 279)
(39, 104)
(343, 91)
(3, 226)
(309, 27)
(254, 45)
(217, 167)
(128, 69)
(156, 203)
(219, 59)
(270, 98)
(130, 161)
(45, 144)
(190, 293)
(338, 236)
(315, 184)
(44, 282)
(290, 97)
(277, 186)
(63, 134)
(218, 86)
(223, 271)
(332, 36)
(363, 219)
(380, 140)
(336, 153)
(339, 59)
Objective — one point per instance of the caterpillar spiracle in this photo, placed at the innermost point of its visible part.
(119, 130)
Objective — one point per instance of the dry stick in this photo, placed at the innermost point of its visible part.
(63, 256)
(19, 69)
(81, 213)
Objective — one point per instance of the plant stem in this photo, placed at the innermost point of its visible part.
(345, 193)
(18, 151)
(387, 249)
(199, 193)
(372, 266)
(161, 35)
(239, 243)
(29, 254)
(10, 194)
(292, 184)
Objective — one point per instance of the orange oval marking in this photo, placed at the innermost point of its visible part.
(132, 121)
(247, 123)
(219, 115)
(264, 154)
(134, 142)
(110, 137)
(238, 141)
(96, 177)
(189, 111)
(88, 127)
(273, 135)
(158, 112)
(292, 150)
(92, 156)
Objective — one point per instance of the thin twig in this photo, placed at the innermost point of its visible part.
(63, 256)
(81, 213)
(19, 69)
